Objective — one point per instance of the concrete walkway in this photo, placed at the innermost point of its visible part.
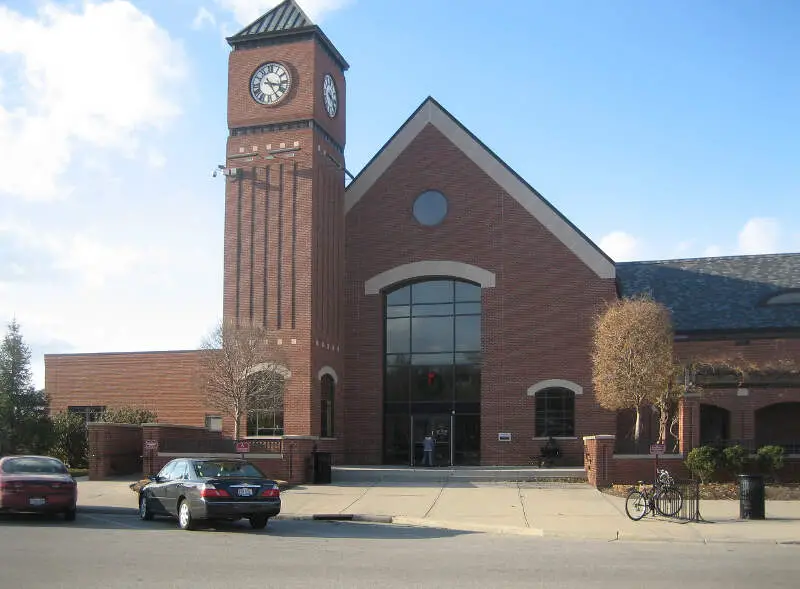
(535, 509)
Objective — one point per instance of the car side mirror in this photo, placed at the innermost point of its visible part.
(156, 479)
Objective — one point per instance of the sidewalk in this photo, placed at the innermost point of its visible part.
(566, 511)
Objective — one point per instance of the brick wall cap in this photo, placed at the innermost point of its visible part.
(107, 423)
(648, 456)
(174, 425)
(600, 437)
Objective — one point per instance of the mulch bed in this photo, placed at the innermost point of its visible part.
(774, 492)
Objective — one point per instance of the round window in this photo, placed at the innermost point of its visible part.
(430, 208)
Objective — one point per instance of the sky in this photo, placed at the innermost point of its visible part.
(660, 129)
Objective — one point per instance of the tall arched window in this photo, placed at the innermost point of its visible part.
(266, 418)
(555, 413)
(433, 368)
(327, 391)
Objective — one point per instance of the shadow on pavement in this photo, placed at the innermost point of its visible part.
(279, 528)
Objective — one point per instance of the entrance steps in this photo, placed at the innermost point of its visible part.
(458, 474)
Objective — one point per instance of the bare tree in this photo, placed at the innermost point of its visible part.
(242, 372)
(632, 359)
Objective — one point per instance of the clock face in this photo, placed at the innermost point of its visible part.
(270, 83)
(329, 96)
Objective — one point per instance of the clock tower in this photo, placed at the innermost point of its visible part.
(284, 205)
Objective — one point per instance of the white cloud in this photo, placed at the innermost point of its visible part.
(246, 11)
(202, 18)
(155, 158)
(759, 236)
(621, 246)
(88, 79)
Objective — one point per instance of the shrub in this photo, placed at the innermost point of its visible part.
(770, 458)
(131, 415)
(735, 458)
(70, 440)
(703, 462)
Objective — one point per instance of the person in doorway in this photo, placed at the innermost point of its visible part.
(428, 445)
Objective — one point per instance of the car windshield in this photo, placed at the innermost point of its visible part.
(222, 468)
(33, 466)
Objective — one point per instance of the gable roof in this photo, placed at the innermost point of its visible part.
(430, 112)
(286, 19)
(713, 294)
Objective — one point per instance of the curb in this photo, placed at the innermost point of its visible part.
(487, 528)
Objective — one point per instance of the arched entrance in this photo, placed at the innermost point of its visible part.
(715, 424)
(778, 424)
(432, 371)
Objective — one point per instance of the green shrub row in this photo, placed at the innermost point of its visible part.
(709, 462)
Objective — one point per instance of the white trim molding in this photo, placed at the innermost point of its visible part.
(330, 372)
(554, 383)
(431, 113)
(278, 368)
(429, 268)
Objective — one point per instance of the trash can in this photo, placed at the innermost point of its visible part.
(751, 496)
(322, 468)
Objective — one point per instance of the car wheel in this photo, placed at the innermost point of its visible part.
(69, 515)
(258, 522)
(185, 521)
(144, 508)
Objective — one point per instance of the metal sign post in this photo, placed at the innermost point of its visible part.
(655, 450)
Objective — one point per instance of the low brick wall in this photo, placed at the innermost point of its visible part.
(160, 434)
(114, 450)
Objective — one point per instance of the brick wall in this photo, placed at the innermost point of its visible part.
(114, 450)
(537, 321)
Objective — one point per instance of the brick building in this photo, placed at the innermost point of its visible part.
(437, 292)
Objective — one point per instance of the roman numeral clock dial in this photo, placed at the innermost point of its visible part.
(329, 95)
(270, 83)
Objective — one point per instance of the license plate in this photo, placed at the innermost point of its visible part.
(36, 501)
(245, 492)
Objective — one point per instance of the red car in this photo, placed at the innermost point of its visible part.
(37, 484)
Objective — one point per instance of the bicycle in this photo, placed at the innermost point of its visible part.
(662, 497)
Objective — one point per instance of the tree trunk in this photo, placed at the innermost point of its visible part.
(236, 421)
(637, 430)
(663, 425)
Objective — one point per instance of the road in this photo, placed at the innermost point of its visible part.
(109, 552)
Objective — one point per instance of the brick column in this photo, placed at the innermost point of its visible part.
(689, 422)
(599, 459)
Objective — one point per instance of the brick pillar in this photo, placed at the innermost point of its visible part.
(689, 422)
(599, 459)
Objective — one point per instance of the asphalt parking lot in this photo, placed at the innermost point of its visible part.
(119, 551)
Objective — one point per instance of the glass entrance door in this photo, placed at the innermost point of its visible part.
(440, 427)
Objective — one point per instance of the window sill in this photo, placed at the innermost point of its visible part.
(262, 438)
(545, 438)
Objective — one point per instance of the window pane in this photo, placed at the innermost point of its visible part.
(429, 310)
(468, 358)
(468, 292)
(398, 311)
(430, 207)
(397, 336)
(431, 334)
(432, 291)
(397, 384)
(468, 383)
(401, 296)
(468, 308)
(468, 333)
(432, 383)
(398, 359)
(555, 413)
(431, 359)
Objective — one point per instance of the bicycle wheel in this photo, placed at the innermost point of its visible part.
(669, 501)
(636, 505)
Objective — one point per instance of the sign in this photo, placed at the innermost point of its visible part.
(504, 437)
(657, 449)
(242, 447)
(151, 444)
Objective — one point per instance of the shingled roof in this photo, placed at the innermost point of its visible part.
(719, 294)
(287, 19)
